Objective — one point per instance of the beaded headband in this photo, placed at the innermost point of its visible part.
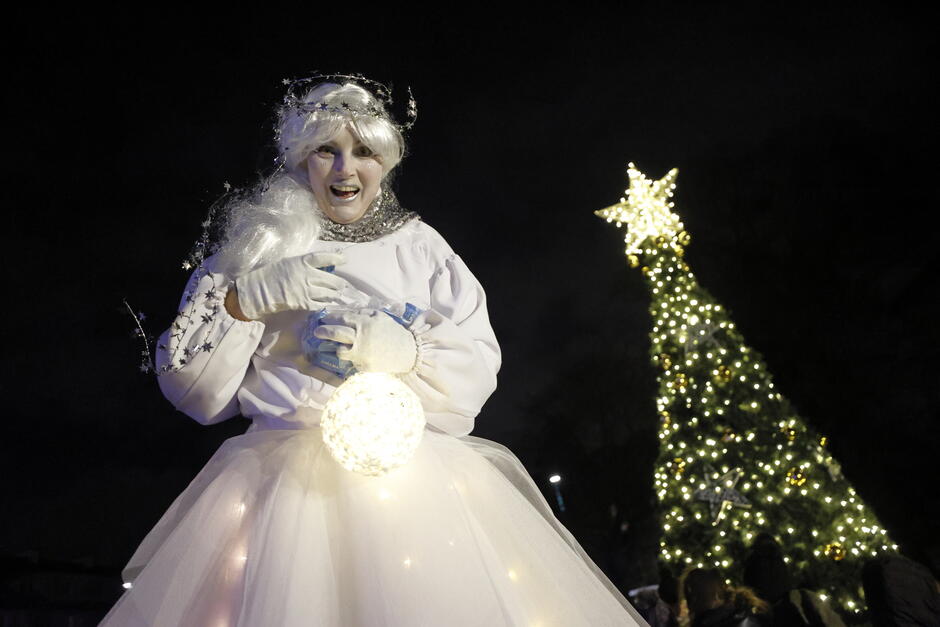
(297, 88)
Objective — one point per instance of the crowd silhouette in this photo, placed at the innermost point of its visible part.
(899, 592)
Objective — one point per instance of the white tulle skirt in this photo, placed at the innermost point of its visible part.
(274, 533)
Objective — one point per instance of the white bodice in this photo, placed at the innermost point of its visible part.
(258, 368)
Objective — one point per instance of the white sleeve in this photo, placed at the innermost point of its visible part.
(203, 357)
(458, 355)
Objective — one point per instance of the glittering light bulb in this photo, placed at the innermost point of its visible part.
(373, 423)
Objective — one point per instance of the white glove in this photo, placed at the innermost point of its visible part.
(292, 283)
(378, 343)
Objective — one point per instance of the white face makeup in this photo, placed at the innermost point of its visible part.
(344, 174)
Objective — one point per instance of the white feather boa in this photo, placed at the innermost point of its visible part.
(272, 222)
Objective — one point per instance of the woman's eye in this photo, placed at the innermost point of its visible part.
(324, 149)
(364, 151)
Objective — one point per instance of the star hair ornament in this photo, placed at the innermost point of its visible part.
(295, 98)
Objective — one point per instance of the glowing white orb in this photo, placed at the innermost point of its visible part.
(372, 423)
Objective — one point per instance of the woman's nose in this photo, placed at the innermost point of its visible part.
(342, 163)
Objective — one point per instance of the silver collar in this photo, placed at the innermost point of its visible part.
(383, 217)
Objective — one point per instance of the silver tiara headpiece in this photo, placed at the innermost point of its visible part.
(298, 88)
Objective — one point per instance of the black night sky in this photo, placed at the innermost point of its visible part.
(806, 145)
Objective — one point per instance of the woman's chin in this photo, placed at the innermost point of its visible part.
(345, 215)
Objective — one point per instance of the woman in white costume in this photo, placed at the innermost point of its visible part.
(273, 531)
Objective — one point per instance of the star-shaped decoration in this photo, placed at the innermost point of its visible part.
(721, 495)
(646, 210)
(207, 346)
(206, 318)
(699, 334)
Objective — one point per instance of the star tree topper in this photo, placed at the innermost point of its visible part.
(646, 210)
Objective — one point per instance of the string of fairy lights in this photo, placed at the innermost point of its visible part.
(735, 458)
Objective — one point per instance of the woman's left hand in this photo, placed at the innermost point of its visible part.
(376, 342)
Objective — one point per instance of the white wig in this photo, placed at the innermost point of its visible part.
(279, 218)
(300, 132)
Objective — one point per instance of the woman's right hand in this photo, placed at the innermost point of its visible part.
(292, 283)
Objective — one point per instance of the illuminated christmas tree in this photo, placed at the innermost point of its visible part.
(735, 458)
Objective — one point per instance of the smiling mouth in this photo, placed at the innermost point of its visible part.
(344, 192)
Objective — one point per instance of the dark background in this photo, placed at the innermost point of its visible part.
(806, 142)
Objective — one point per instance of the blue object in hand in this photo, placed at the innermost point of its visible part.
(322, 353)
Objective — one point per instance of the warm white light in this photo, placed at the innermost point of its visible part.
(554, 479)
(646, 211)
(373, 423)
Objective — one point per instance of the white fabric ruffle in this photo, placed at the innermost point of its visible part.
(273, 531)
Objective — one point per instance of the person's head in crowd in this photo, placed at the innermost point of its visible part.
(765, 570)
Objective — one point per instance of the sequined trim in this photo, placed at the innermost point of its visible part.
(383, 217)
